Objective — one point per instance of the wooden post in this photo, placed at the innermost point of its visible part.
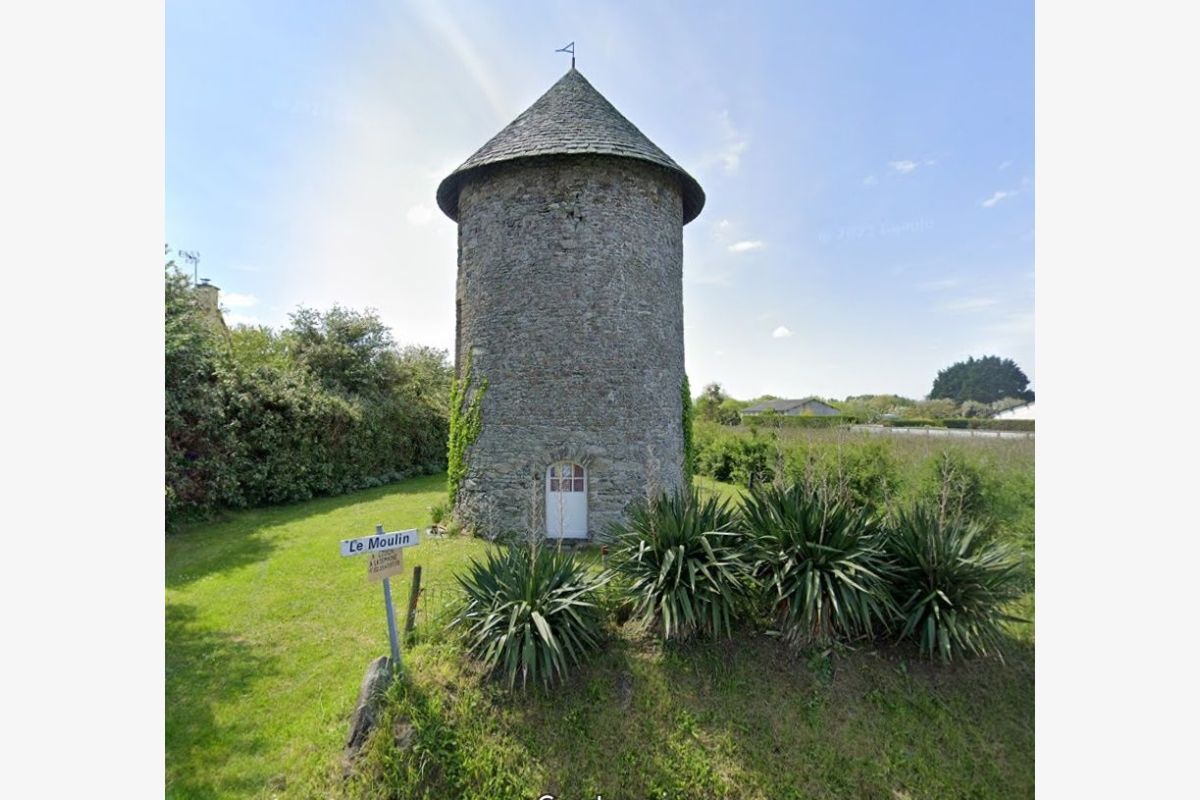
(412, 601)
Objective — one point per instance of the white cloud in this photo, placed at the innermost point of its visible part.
(747, 246)
(236, 300)
(903, 167)
(870, 180)
(970, 304)
(938, 285)
(782, 332)
(727, 155)
(996, 198)
(419, 214)
(735, 144)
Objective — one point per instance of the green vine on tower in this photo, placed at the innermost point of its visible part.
(689, 444)
(465, 424)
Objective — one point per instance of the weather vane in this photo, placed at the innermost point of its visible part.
(568, 49)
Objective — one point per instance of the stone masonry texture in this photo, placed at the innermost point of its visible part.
(570, 302)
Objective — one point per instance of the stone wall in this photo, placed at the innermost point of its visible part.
(570, 300)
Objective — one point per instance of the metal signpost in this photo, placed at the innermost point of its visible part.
(386, 560)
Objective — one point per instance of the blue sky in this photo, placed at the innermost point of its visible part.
(868, 166)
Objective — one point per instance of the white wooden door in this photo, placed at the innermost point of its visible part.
(566, 501)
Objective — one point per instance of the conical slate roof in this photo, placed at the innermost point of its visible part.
(570, 118)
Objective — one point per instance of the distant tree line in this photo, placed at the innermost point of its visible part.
(970, 389)
(326, 405)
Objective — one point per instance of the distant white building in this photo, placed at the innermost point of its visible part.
(1023, 411)
(792, 408)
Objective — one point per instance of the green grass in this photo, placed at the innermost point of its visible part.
(269, 631)
(737, 719)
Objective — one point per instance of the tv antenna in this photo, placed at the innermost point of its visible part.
(192, 257)
(568, 49)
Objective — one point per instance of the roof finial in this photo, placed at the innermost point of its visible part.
(568, 49)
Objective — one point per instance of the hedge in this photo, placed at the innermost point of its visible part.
(803, 421)
(991, 424)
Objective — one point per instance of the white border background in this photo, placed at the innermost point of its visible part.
(81, 182)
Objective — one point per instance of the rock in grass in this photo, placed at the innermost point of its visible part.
(624, 691)
(403, 731)
(374, 683)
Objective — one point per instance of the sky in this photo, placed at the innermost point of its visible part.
(868, 167)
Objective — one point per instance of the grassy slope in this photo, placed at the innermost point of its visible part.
(738, 719)
(269, 631)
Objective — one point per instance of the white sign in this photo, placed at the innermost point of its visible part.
(379, 542)
(385, 564)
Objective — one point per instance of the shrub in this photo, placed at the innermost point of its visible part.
(684, 564)
(916, 422)
(530, 612)
(821, 563)
(753, 461)
(740, 459)
(862, 474)
(950, 585)
(955, 486)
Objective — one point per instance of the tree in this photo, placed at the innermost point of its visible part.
(984, 380)
(350, 352)
(714, 405)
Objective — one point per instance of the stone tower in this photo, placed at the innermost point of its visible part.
(570, 305)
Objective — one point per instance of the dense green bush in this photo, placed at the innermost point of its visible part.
(686, 567)
(915, 422)
(328, 405)
(858, 472)
(201, 446)
(726, 456)
(956, 486)
(530, 612)
(950, 584)
(820, 562)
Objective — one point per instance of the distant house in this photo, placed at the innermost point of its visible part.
(1023, 411)
(792, 408)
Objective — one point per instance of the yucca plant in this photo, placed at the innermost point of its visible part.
(951, 584)
(820, 564)
(529, 612)
(684, 564)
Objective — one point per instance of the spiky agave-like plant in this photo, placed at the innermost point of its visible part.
(951, 584)
(530, 612)
(820, 562)
(684, 564)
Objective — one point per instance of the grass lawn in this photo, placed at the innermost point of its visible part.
(269, 632)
